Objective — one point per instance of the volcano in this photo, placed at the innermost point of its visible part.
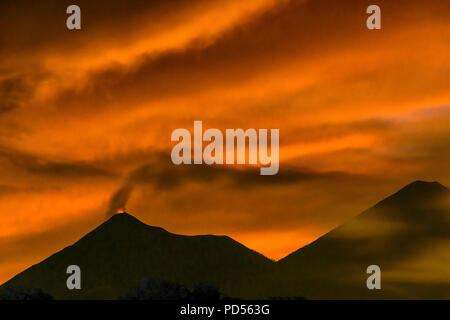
(115, 256)
(407, 235)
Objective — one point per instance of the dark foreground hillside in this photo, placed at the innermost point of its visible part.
(119, 253)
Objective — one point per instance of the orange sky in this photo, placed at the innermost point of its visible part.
(85, 113)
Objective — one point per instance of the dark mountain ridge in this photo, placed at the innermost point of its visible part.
(392, 234)
(120, 252)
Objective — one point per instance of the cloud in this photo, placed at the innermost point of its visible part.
(163, 174)
(53, 169)
(325, 131)
(428, 266)
(268, 44)
(99, 19)
(14, 92)
(160, 175)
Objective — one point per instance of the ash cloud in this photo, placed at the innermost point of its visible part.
(161, 174)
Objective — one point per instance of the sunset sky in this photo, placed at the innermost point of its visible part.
(86, 113)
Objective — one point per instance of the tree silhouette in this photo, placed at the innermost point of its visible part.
(149, 289)
(204, 291)
(24, 294)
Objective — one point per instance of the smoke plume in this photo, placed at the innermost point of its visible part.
(119, 199)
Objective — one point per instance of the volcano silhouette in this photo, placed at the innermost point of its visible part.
(407, 235)
(119, 253)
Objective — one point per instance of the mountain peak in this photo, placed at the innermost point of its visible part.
(123, 218)
(123, 215)
(416, 194)
(420, 186)
(122, 222)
